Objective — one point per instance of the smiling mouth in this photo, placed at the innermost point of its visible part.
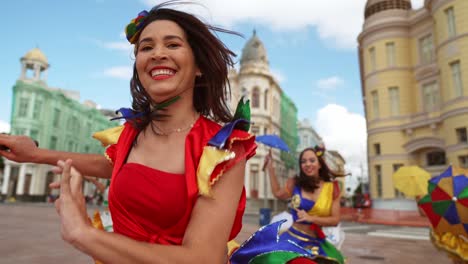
(161, 74)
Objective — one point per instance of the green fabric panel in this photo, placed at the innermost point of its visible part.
(463, 194)
(425, 199)
(278, 257)
(440, 207)
(430, 187)
(332, 251)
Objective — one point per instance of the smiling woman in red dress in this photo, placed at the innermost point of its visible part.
(174, 196)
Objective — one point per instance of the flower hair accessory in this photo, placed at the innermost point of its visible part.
(134, 28)
(319, 150)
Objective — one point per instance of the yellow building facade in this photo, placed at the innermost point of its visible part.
(414, 76)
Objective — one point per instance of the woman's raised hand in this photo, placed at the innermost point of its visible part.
(71, 205)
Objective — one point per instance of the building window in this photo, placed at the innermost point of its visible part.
(426, 49)
(23, 107)
(450, 14)
(34, 134)
(394, 101)
(70, 146)
(461, 135)
(377, 148)
(456, 79)
(266, 100)
(37, 109)
(378, 177)
(436, 158)
(375, 103)
(56, 118)
(20, 131)
(256, 98)
(254, 180)
(53, 143)
(463, 161)
(398, 194)
(430, 97)
(390, 48)
(255, 130)
(372, 59)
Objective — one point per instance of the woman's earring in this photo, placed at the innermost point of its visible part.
(199, 74)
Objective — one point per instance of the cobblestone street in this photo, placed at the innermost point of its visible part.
(30, 234)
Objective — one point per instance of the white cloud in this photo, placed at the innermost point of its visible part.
(416, 4)
(4, 127)
(346, 133)
(338, 22)
(118, 45)
(119, 72)
(330, 83)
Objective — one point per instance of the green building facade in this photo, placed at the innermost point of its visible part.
(288, 131)
(56, 119)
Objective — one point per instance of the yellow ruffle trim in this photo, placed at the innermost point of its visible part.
(455, 244)
(109, 136)
(211, 157)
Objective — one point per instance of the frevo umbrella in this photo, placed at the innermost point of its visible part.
(273, 141)
(446, 204)
(411, 180)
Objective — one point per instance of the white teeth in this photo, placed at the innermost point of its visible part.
(162, 72)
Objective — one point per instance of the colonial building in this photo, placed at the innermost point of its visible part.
(55, 118)
(414, 68)
(272, 112)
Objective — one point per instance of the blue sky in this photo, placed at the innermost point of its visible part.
(312, 52)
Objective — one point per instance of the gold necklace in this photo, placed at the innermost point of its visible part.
(161, 132)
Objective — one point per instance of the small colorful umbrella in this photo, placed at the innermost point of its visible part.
(273, 141)
(411, 180)
(446, 204)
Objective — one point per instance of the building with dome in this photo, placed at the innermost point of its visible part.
(272, 112)
(56, 119)
(414, 68)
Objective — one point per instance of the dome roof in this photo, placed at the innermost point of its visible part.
(254, 51)
(35, 55)
(375, 6)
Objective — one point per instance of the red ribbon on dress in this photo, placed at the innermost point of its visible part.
(318, 231)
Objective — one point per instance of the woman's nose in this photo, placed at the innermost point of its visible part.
(159, 54)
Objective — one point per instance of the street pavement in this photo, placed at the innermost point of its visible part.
(29, 233)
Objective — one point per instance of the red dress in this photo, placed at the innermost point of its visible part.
(155, 206)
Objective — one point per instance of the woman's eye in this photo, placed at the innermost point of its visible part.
(145, 48)
(173, 45)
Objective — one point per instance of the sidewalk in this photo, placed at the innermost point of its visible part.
(384, 217)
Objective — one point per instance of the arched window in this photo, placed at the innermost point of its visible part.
(266, 100)
(256, 98)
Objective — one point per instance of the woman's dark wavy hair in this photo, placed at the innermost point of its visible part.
(212, 57)
(310, 184)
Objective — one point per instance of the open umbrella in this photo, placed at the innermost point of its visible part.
(411, 180)
(446, 204)
(273, 141)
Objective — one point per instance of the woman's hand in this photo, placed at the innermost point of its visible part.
(267, 163)
(303, 216)
(18, 148)
(71, 205)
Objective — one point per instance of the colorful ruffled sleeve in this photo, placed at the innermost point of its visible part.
(109, 139)
(215, 161)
